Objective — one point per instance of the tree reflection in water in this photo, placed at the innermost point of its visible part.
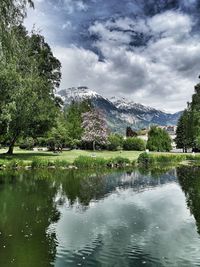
(27, 209)
(189, 179)
(30, 202)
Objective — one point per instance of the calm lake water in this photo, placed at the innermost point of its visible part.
(134, 218)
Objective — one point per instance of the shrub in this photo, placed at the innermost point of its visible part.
(145, 159)
(38, 163)
(41, 141)
(89, 162)
(14, 164)
(62, 163)
(134, 143)
(150, 159)
(27, 143)
(158, 140)
(169, 158)
(119, 161)
(115, 142)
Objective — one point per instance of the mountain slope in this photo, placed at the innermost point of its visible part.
(120, 112)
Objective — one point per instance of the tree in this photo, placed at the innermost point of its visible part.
(130, 132)
(94, 128)
(194, 126)
(73, 118)
(58, 136)
(183, 132)
(12, 13)
(188, 130)
(28, 104)
(191, 188)
(158, 140)
(27, 143)
(134, 143)
(115, 142)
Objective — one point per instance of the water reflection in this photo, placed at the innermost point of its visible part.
(189, 179)
(80, 189)
(123, 218)
(27, 209)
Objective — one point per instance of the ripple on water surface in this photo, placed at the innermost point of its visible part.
(61, 218)
(150, 227)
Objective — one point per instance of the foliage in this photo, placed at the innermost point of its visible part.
(183, 133)
(146, 158)
(151, 159)
(130, 132)
(58, 136)
(188, 130)
(41, 142)
(191, 188)
(27, 82)
(134, 143)
(12, 13)
(95, 162)
(39, 164)
(95, 128)
(73, 118)
(115, 142)
(158, 140)
(27, 143)
(89, 162)
(120, 161)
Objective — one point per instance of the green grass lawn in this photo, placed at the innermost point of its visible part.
(69, 156)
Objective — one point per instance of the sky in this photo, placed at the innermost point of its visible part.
(145, 50)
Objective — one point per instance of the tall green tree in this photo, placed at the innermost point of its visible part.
(195, 117)
(27, 85)
(58, 136)
(183, 132)
(115, 142)
(12, 14)
(158, 140)
(73, 116)
(188, 130)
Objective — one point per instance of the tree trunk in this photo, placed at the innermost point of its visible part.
(93, 145)
(10, 150)
(11, 146)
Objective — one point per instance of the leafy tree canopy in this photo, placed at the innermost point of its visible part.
(73, 118)
(28, 104)
(95, 128)
(158, 140)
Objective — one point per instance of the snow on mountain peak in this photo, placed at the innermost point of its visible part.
(77, 94)
(120, 112)
(124, 103)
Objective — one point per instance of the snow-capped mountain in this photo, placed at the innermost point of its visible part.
(123, 103)
(120, 112)
(77, 94)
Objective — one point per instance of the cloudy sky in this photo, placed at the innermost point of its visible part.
(144, 50)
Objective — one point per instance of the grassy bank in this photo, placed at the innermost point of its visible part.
(146, 159)
(67, 159)
(87, 159)
(69, 156)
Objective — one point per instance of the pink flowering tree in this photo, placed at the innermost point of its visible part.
(95, 128)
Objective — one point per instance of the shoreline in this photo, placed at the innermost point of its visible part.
(140, 159)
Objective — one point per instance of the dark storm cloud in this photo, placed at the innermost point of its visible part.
(145, 49)
(70, 19)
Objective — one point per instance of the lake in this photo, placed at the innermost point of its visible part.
(111, 218)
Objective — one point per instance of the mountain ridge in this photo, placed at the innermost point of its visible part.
(120, 112)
